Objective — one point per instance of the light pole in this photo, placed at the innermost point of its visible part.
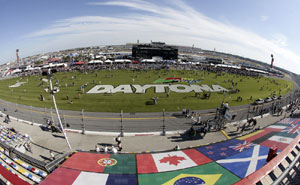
(57, 113)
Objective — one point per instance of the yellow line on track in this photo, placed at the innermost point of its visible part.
(89, 117)
(108, 118)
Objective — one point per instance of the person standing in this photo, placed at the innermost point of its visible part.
(52, 156)
(243, 128)
(120, 147)
(118, 139)
(254, 123)
(97, 148)
(114, 150)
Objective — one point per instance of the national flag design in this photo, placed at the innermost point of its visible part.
(242, 146)
(287, 121)
(246, 162)
(255, 135)
(264, 137)
(65, 176)
(292, 129)
(225, 149)
(209, 174)
(169, 161)
(278, 126)
(192, 179)
(107, 163)
(281, 140)
(296, 121)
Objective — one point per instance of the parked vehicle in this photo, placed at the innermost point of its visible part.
(268, 99)
(259, 101)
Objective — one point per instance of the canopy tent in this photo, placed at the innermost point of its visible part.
(122, 61)
(108, 62)
(148, 61)
(95, 62)
(79, 63)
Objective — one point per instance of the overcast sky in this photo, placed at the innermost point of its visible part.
(254, 29)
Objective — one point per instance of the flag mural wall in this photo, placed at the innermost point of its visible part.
(224, 162)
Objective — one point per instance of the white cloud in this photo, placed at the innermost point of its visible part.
(264, 18)
(175, 24)
(279, 39)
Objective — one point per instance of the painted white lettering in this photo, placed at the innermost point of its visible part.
(180, 88)
(200, 88)
(123, 89)
(160, 88)
(141, 89)
(218, 88)
(101, 89)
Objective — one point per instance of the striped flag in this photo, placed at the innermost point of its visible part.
(65, 176)
(280, 140)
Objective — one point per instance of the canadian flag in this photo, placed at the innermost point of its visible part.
(169, 161)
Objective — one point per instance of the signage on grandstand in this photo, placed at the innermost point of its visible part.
(140, 89)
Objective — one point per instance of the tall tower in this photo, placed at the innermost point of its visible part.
(18, 59)
(272, 61)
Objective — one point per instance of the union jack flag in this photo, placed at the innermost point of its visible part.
(292, 129)
(242, 146)
(287, 121)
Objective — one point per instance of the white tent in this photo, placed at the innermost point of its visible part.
(127, 61)
(119, 61)
(95, 62)
(108, 62)
(45, 66)
(148, 61)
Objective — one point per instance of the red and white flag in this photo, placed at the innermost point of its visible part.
(169, 161)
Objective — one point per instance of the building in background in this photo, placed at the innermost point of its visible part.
(154, 49)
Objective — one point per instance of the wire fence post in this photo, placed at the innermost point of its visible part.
(45, 113)
(31, 112)
(164, 126)
(83, 125)
(52, 116)
(64, 118)
(122, 131)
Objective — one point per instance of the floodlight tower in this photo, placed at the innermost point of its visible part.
(272, 61)
(18, 59)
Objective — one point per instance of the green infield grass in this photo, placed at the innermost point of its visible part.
(30, 92)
